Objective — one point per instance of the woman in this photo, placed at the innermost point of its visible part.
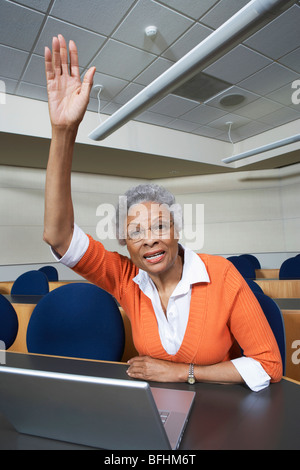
(190, 314)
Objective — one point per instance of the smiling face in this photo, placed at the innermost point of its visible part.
(151, 239)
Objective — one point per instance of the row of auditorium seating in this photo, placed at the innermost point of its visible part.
(74, 320)
(247, 264)
(35, 282)
(81, 320)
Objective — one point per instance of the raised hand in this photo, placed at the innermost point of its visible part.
(67, 96)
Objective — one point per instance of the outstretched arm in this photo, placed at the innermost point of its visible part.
(68, 98)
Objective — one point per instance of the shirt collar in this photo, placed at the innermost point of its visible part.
(194, 271)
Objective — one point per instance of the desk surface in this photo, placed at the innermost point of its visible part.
(288, 304)
(23, 299)
(223, 416)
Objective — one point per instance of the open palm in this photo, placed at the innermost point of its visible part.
(67, 96)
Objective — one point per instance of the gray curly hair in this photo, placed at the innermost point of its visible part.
(146, 193)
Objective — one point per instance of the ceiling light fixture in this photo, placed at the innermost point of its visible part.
(225, 38)
(264, 148)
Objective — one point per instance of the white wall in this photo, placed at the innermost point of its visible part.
(253, 212)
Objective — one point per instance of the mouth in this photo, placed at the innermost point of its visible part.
(154, 257)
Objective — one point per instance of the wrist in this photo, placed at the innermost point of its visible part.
(66, 132)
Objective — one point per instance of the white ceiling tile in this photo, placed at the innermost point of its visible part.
(181, 125)
(158, 67)
(153, 118)
(87, 43)
(11, 18)
(250, 129)
(280, 117)
(32, 91)
(100, 16)
(190, 7)
(111, 85)
(284, 96)
(258, 108)
(237, 64)
(187, 42)
(94, 105)
(122, 61)
(269, 79)
(12, 62)
(280, 36)
(224, 10)
(237, 121)
(7, 85)
(148, 13)
(203, 114)
(234, 90)
(35, 71)
(111, 108)
(173, 106)
(292, 60)
(128, 93)
(40, 5)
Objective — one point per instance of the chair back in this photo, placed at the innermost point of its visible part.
(31, 283)
(290, 268)
(254, 286)
(275, 320)
(9, 324)
(51, 273)
(252, 260)
(77, 320)
(244, 266)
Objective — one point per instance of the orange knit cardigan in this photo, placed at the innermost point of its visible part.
(224, 314)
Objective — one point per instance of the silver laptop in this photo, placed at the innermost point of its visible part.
(97, 412)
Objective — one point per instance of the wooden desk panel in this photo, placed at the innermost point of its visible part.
(267, 273)
(278, 289)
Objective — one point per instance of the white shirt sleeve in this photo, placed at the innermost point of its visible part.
(252, 373)
(78, 246)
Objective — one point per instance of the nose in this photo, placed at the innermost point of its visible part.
(149, 238)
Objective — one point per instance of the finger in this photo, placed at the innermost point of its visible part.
(74, 65)
(56, 56)
(48, 64)
(87, 82)
(63, 53)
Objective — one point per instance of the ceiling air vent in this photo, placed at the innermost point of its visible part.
(201, 87)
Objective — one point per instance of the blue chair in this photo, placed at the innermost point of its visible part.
(77, 320)
(51, 273)
(290, 268)
(244, 266)
(252, 260)
(31, 283)
(9, 324)
(253, 286)
(276, 322)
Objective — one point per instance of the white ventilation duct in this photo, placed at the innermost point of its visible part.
(233, 31)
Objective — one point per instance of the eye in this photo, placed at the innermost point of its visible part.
(134, 233)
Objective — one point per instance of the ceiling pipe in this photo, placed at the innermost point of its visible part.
(225, 38)
(264, 148)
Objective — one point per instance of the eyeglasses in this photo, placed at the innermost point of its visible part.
(159, 230)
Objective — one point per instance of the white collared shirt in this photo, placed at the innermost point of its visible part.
(172, 326)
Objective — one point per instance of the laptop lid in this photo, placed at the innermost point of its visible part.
(94, 411)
